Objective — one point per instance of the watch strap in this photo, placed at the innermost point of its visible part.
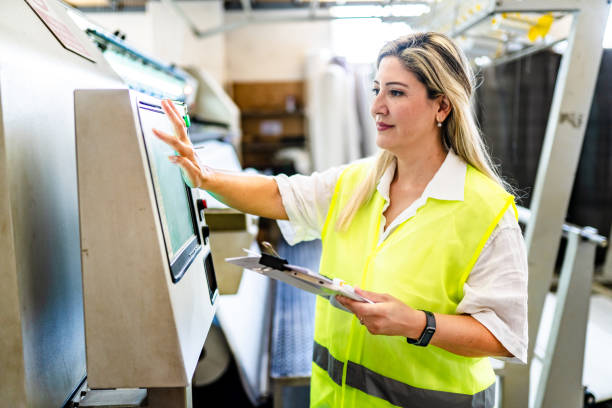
(428, 331)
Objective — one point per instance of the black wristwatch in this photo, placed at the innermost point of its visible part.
(428, 331)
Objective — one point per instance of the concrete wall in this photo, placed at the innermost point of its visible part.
(273, 51)
(175, 42)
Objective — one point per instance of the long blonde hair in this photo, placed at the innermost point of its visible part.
(444, 70)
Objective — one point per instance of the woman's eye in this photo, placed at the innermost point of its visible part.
(396, 93)
(375, 91)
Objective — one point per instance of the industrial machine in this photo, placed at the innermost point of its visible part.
(215, 132)
(48, 51)
(44, 57)
(42, 347)
(149, 286)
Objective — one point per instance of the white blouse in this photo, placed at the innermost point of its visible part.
(495, 292)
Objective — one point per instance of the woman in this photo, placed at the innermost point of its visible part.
(426, 227)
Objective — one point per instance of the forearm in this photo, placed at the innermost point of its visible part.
(458, 334)
(249, 193)
(465, 336)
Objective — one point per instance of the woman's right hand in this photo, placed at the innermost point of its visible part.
(187, 158)
(249, 193)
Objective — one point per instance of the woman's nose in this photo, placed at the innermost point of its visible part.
(378, 106)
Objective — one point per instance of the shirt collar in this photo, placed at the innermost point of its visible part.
(447, 184)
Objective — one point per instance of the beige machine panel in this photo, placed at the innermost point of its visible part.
(142, 328)
(12, 384)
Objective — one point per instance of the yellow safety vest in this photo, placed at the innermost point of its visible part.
(424, 263)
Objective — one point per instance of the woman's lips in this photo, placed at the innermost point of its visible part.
(382, 126)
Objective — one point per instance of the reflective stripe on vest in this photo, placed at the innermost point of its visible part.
(396, 392)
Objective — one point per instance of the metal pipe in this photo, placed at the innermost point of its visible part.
(246, 7)
(314, 5)
(586, 233)
(289, 19)
(249, 17)
(525, 52)
(181, 13)
(535, 6)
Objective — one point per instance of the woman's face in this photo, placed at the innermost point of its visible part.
(405, 117)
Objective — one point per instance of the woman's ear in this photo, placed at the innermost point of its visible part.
(444, 108)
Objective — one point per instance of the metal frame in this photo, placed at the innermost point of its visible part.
(280, 384)
(606, 275)
(559, 162)
(560, 382)
(557, 168)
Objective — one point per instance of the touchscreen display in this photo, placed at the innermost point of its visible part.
(170, 190)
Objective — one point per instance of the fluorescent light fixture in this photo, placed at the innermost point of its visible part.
(370, 11)
(356, 11)
(408, 10)
(359, 40)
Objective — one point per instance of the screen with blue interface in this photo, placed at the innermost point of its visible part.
(171, 194)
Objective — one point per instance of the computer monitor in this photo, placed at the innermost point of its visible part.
(149, 289)
(173, 197)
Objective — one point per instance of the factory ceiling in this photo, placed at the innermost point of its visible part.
(130, 5)
(484, 29)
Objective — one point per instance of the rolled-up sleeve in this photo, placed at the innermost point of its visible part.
(306, 200)
(495, 292)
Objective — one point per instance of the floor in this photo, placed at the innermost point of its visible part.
(228, 392)
(598, 353)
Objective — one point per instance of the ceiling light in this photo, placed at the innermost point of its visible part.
(370, 11)
(408, 10)
(356, 11)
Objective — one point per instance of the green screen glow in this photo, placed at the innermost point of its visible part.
(172, 198)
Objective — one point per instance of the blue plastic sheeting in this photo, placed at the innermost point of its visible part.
(293, 324)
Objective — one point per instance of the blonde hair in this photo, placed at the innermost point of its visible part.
(444, 70)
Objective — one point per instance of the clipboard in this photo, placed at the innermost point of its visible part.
(302, 278)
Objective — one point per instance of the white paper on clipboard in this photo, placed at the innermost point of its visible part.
(301, 278)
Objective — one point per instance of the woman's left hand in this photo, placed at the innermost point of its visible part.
(387, 315)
